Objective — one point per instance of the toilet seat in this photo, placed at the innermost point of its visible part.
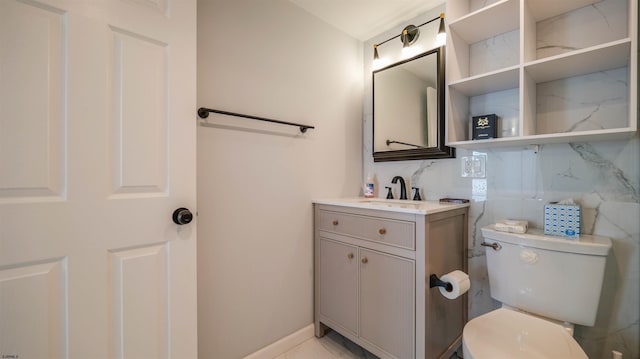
(507, 334)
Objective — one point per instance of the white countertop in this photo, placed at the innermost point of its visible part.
(393, 205)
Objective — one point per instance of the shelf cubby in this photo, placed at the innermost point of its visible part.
(577, 104)
(478, 44)
(545, 9)
(558, 28)
(597, 58)
(463, 106)
(490, 82)
(571, 78)
(487, 22)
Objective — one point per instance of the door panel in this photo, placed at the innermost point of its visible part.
(97, 148)
(32, 87)
(139, 302)
(33, 310)
(387, 304)
(339, 283)
(139, 142)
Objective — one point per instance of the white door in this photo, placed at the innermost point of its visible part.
(97, 149)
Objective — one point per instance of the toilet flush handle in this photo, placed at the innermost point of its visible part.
(496, 246)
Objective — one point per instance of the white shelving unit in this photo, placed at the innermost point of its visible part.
(539, 53)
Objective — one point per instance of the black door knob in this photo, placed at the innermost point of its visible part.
(182, 216)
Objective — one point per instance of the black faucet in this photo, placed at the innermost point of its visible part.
(403, 186)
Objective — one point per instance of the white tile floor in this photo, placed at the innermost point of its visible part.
(331, 346)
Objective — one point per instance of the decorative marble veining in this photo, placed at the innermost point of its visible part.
(494, 53)
(565, 32)
(604, 177)
(622, 185)
(578, 104)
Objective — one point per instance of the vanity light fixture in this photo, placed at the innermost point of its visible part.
(441, 38)
(410, 35)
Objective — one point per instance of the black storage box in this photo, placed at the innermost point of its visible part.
(484, 127)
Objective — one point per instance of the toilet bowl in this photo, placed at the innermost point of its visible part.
(508, 334)
(544, 283)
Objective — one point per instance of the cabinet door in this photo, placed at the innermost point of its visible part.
(387, 307)
(339, 284)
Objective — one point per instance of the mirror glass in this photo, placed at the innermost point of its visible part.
(408, 109)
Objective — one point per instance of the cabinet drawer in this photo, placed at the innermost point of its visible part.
(397, 233)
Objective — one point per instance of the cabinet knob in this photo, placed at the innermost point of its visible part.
(365, 260)
(350, 255)
(335, 222)
(382, 231)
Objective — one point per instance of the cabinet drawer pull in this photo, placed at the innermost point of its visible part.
(350, 255)
(382, 231)
(365, 260)
(335, 222)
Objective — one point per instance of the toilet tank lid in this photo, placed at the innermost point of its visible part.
(586, 244)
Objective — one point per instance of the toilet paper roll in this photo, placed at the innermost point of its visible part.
(459, 281)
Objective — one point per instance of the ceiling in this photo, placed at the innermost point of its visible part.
(364, 19)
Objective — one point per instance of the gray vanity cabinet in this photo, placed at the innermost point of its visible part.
(371, 279)
(387, 318)
(373, 286)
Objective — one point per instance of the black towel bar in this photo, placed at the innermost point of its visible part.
(203, 112)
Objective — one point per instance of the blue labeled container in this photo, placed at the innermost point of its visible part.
(562, 220)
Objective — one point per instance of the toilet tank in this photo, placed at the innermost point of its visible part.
(550, 276)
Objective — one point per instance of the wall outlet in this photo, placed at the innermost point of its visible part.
(473, 166)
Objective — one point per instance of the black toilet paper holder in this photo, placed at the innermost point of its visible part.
(434, 281)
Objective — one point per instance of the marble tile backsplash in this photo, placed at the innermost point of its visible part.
(604, 177)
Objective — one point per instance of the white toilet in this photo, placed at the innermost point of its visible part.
(546, 285)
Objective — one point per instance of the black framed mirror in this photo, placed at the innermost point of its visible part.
(408, 109)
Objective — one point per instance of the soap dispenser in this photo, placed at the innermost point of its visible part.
(369, 187)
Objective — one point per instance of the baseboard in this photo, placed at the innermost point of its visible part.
(283, 345)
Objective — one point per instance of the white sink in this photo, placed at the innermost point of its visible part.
(394, 205)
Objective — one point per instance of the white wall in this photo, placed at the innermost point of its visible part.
(603, 176)
(255, 180)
